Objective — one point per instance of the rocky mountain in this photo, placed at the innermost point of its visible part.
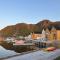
(24, 29)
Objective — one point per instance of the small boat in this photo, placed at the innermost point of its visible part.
(50, 48)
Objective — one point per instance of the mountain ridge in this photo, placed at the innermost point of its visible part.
(25, 29)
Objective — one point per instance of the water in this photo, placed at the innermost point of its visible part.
(5, 53)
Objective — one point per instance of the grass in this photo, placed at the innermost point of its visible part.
(58, 58)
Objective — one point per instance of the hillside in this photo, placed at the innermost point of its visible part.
(24, 29)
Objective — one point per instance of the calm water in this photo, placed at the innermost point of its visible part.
(6, 53)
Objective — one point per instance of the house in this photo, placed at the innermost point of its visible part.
(22, 44)
(2, 38)
(18, 42)
(53, 34)
(58, 35)
(9, 39)
(35, 36)
(46, 37)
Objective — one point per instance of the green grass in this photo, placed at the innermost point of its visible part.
(58, 58)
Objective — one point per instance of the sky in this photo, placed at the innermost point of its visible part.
(28, 11)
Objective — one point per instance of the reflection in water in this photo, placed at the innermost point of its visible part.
(21, 48)
(8, 46)
(5, 53)
(7, 49)
(18, 49)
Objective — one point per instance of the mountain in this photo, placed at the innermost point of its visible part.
(24, 29)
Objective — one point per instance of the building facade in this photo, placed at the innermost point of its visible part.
(47, 34)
